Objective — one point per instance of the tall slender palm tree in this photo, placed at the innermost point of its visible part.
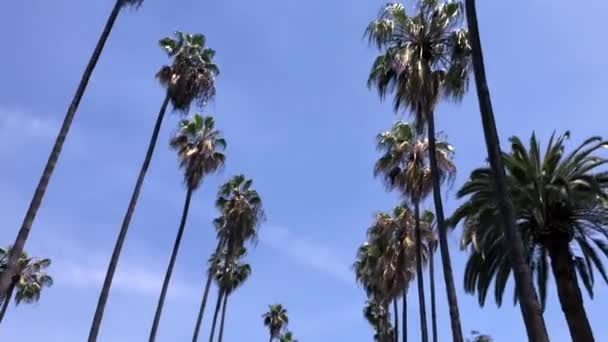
(404, 165)
(559, 200)
(29, 281)
(275, 320)
(199, 147)
(190, 78)
(530, 307)
(424, 58)
(32, 210)
(242, 213)
(232, 276)
(428, 220)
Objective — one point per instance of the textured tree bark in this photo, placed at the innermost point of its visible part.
(169, 272)
(32, 210)
(107, 283)
(529, 305)
(419, 275)
(221, 337)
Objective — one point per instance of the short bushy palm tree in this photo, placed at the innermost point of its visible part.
(189, 79)
(276, 320)
(424, 58)
(287, 337)
(29, 281)
(404, 166)
(378, 317)
(560, 209)
(242, 213)
(199, 147)
(49, 168)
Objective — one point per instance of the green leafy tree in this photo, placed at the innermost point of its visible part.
(424, 58)
(275, 320)
(559, 201)
(404, 166)
(49, 168)
(199, 147)
(26, 286)
(189, 79)
(378, 317)
(287, 337)
(242, 212)
(529, 305)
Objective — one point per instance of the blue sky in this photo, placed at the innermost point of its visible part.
(292, 103)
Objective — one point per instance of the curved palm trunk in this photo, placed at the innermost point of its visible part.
(220, 338)
(432, 281)
(32, 210)
(105, 291)
(217, 310)
(396, 311)
(448, 275)
(201, 311)
(7, 300)
(420, 277)
(163, 292)
(568, 291)
(529, 305)
(404, 314)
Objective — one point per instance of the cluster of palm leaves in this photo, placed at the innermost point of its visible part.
(276, 320)
(525, 214)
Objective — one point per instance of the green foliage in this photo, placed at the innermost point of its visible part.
(379, 317)
(276, 320)
(557, 196)
(31, 276)
(199, 148)
(287, 337)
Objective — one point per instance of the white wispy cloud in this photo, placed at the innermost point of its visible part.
(308, 252)
(20, 122)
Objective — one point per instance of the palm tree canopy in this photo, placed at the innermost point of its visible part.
(425, 56)
(191, 76)
(199, 148)
(229, 272)
(31, 276)
(404, 163)
(379, 318)
(287, 337)
(276, 319)
(557, 195)
(132, 3)
(241, 211)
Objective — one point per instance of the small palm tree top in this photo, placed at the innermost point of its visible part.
(425, 56)
(199, 147)
(191, 76)
(132, 3)
(31, 276)
(287, 337)
(276, 319)
(557, 197)
(404, 163)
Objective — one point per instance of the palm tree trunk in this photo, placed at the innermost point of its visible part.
(201, 311)
(529, 305)
(32, 210)
(223, 318)
(568, 291)
(7, 300)
(404, 314)
(178, 240)
(448, 275)
(217, 310)
(105, 291)
(420, 276)
(396, 311)
(432, 281)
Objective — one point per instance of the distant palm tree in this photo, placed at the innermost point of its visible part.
(404, 165)
(29, 281)
(231, 276)
(287, 337)
(199, 146)
(190, 78)
(425, 57)
(275, 320)
(242, 212)
(560, 209)
(49, 168)
(529, 305)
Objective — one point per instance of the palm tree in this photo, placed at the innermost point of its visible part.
(378, 317)
(287, 337)
(199, 146)
(241, 214)
(559, 201)
(404, 165)
(32, 210)
(190, 78)
(530, 307)
(29, 281)
(428, 220)
(275, 320)
(424, 58)
(232, 276)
